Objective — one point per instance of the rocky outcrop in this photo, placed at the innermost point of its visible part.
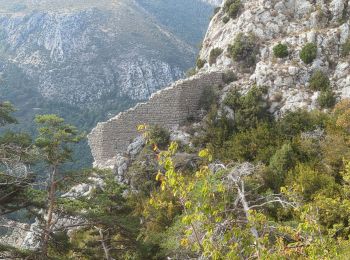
(169, 108)
(292, 22)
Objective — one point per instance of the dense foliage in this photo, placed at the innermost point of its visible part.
(280, 50)
(271, 196)
(232, 7)
(244, 49)
(308, 53)
(327, 99)
(319, 81)
(251, 186)
(229, 76)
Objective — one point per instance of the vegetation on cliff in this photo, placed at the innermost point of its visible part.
(259, 188)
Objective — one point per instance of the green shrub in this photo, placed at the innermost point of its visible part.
(345, 49)
(225, 19)
(280, 50)
(160, 136)
(308, 53)
(200, 63)
(249, 109)
(296, 122)
(232, 7)
(319, 81)
(214, 54)
(244, 49)
(208, 98)
(327, 99)
(228, 77)
(254, 144)
(310, 180)
(280, 163)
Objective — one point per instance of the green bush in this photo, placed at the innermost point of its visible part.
(244, 49)
(160, 136)
(327, 99)
(296, 122)
(280, 163)
(345, 50)
(310, 180)
(249, 109)
(254, 144)
(308, 53)
(228, 77)
(319, 81)
(280, 50)
(232, 7)
(200, 63)
(208, 98)
(214, 54)
(225, 19)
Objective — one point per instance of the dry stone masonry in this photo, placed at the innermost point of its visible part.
(169, 107)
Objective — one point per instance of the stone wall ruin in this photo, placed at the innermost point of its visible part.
(169, 107)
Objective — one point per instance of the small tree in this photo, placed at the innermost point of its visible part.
(16, 155)
(54, 142)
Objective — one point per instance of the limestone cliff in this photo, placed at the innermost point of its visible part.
(294, 23)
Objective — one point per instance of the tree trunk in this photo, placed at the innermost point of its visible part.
(49, 213)
(246, 209)
(104, 245)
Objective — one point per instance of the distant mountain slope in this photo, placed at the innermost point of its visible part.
(87, 60)
(87, 54)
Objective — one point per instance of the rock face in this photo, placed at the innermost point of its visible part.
(292, 22)
(169, 108)
(84, 55)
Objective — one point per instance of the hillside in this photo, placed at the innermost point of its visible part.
(247, 158)
(257, 154)
(88, 60)
(293, 24)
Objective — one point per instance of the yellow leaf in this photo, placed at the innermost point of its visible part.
(184, 242)
(158, 177)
